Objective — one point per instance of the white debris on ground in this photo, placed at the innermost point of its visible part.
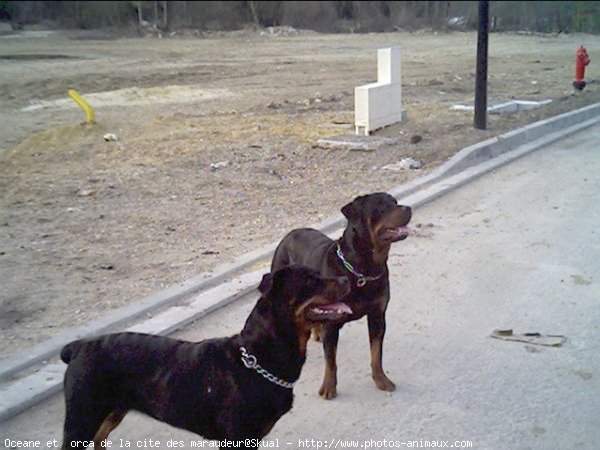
(508, 107)
(403, 164)
(108, 137)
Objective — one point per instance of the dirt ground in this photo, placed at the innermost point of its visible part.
(89, 225)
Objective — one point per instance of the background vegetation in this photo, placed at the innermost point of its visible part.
(324, 16)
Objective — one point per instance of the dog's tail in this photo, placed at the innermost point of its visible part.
(69, 351)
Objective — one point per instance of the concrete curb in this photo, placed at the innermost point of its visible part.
(428, 194)
(470, 163)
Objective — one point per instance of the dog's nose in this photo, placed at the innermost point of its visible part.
(406, 212)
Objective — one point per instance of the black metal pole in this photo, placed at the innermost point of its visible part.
(482, 63)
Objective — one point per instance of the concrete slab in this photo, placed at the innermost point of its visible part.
(379, 104)
(355, 143)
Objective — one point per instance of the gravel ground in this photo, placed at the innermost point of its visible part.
(89, 225)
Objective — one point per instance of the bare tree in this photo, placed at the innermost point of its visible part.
(138, 5)
(253, 8)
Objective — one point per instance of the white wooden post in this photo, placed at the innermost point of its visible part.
(377, 105)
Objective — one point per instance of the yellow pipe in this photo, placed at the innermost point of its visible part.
(89, 111)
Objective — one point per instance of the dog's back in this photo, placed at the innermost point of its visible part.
(168, 379)
(135, 358)
(303, 246)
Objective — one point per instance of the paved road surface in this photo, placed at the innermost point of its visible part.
(520, 249)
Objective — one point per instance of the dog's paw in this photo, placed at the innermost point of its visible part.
(384, 383)
(328, 392)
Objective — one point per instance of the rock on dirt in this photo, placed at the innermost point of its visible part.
(403, 164)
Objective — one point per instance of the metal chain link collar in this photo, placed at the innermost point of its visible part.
(251, 363)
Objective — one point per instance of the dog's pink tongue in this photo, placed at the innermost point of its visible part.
(341, 307)
(400, 230)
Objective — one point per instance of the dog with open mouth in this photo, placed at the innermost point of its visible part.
(228, 389)
(375, 222)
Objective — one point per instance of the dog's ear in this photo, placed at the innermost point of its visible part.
(352, 210)
(266, 284)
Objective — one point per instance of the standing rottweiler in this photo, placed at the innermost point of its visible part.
(231, 389)
(375, 221)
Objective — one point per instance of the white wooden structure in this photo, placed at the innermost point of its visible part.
(377, 105)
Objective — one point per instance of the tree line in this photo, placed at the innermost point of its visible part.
(322, 16)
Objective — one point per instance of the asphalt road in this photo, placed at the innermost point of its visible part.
(518, 248)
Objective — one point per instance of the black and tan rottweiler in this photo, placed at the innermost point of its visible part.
(375, 221)
(232, 388)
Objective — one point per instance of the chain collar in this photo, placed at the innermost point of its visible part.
(361, 279)
(251, 362)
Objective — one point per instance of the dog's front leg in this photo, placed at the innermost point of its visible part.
(376, 322)
(330, 336)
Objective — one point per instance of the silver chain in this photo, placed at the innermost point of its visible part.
(251, 362)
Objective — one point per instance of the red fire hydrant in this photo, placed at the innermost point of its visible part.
(581, 61)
